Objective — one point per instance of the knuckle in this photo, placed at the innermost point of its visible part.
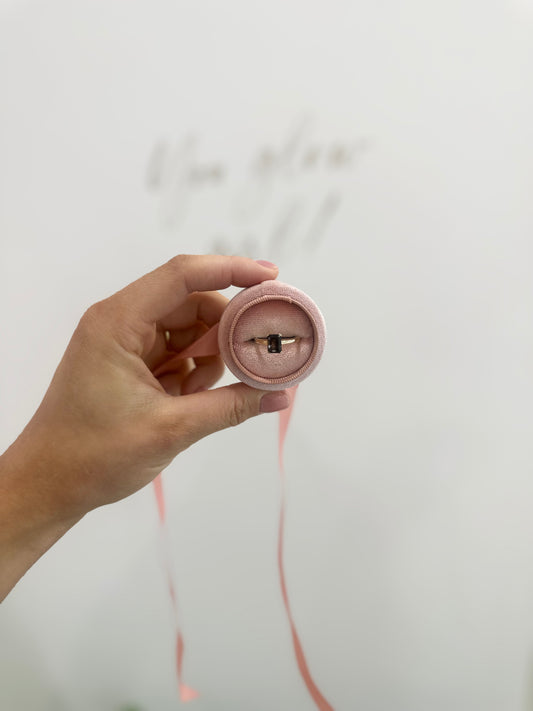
(179, 266)
(110, 320)
(239, 411)
(92, 319)
(99, 310)
(98, 320)
(179, 262)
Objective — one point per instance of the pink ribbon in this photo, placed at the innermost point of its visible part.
(205, 346)
(186, 692)
(320, 701)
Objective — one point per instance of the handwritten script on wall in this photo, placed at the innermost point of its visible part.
(279, 203)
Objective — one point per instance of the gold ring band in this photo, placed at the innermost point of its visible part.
(285, 340)
(275, 341)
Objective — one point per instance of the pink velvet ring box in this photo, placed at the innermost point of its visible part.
(271, 336)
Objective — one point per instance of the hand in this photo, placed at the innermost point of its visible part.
(107, 426)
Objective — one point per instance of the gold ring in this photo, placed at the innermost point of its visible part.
(275, 341)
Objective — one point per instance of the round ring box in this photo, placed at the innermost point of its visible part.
(271, 335)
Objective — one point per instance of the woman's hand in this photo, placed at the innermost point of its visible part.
(107, 426)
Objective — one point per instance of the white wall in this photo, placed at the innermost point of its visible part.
(399, 198)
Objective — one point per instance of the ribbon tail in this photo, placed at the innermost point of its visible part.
(318, 698)
(160, 497)
(186, 693)
(284, 420)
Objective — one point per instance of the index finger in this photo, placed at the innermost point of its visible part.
(161, 291)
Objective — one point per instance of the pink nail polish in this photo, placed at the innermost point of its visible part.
(264, 263)
(273, 402)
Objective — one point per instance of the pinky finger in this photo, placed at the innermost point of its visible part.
(208, 371)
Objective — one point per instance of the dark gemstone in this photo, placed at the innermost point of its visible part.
(274, 343)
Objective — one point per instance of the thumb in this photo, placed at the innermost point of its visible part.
(198, 415)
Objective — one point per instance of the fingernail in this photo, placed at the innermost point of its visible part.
(264, 263)
(272, 402)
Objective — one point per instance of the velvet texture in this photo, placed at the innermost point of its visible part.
(264, 309)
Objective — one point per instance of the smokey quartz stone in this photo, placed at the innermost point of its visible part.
(274, 343)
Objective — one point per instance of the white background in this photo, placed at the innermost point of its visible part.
(381, 153)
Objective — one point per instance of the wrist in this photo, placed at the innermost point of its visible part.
(29, 523)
